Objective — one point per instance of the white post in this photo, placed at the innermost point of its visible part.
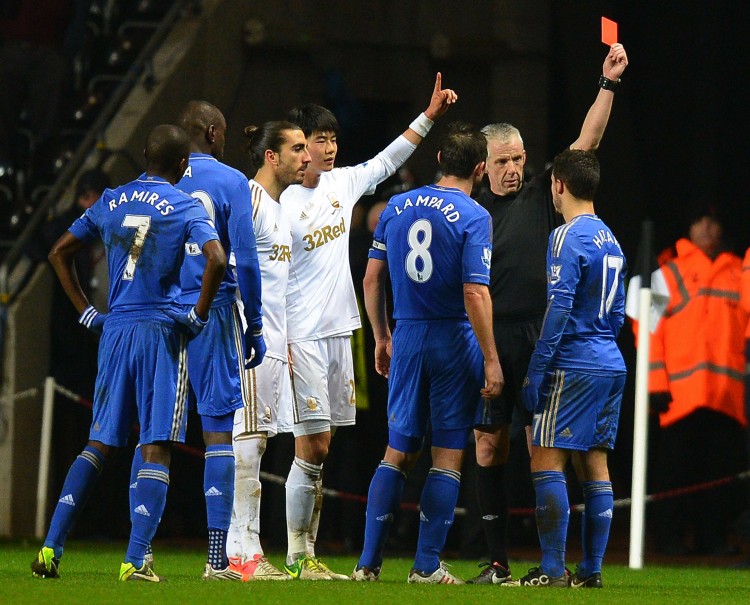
(44, 455)
(640, 434)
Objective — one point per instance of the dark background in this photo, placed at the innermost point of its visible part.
(677, 139)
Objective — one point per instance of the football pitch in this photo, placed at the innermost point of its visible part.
(89, 575)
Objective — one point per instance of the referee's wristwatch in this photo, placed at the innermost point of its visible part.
(607, 84)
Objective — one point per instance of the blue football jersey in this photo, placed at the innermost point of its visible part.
(225, 194)
(434, 239)
(586, 299)
(144, 226)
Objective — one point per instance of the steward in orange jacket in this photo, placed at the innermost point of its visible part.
(745, 290)
(698, 349)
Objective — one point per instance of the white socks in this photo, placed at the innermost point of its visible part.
(300, 502)
(312, 535)
(244, 532)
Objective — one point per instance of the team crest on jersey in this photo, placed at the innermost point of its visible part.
(487, 256)
(334, 202)
(312, 404)
(554, 273)
(192, 249)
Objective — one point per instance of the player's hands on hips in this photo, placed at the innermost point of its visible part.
(441, 99)
(383, 352)
(190, 322)
(92, 319)
(615, 62)
(530, 391)
(494, 380)
(255, 347)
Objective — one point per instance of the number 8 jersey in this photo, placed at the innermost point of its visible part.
(434, 239)
(144, 226)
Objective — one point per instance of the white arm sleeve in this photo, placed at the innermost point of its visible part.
(388, 161)
(393, 156)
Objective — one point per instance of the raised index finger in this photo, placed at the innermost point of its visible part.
(438, 83)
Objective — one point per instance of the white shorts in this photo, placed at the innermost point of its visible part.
(266, 388)
(322, 383)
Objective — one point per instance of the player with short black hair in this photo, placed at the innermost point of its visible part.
(576, 375)
(314, 118)
(434, 243)
(322, 309)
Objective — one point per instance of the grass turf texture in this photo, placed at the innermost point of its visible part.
(89, 575)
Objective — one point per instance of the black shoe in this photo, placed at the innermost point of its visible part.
(592, 581)
(493, 573)
(536, 577)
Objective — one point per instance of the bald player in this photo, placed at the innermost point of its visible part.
(142, 367)
(215, 357)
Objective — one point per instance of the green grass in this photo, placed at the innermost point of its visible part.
(89, 575)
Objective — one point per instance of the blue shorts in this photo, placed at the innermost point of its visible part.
(437, 371)
(215, 360)
(142, 376)
(579, 410)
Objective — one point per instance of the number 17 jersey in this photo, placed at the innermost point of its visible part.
(434, 239)
(585, 275)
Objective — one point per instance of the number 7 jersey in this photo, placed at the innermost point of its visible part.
(144, 226)
(585, 280)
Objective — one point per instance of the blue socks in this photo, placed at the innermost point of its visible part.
(218, 486)
(597, 519)
(134, 468)
(79, 483)
(552, 515)
(437, 505)
(383, 498)
(150, 499)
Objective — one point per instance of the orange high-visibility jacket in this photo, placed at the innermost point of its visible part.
(698, 349)
(745, 290)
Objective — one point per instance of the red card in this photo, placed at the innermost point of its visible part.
(609, 31)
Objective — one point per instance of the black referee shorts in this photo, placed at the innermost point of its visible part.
(515, 342)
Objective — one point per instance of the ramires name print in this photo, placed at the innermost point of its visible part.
(139, 195)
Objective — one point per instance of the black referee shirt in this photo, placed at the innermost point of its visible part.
(521, 224)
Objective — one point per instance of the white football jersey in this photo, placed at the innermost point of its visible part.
(320, 300)
(274, 238)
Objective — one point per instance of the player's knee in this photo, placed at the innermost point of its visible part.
(217, 430)
(312, 440)
(106, 450)
(159, 452)
(491, 455)
(401, 460)
(319, 451)
(249, 448)
(403, 450)
(492, 448)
